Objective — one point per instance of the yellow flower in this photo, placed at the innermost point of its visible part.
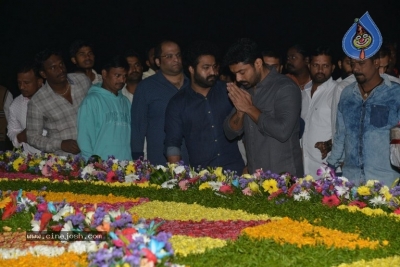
(220, 176)
(203, 172)
(205, 185)
(17, 163)
(247, 176)
(254, 187)
(270, 185)
(371, 183)
(363, 191)
(4, 202)
(114, 167)
(130, 169)
(309, 178)
(388, 196)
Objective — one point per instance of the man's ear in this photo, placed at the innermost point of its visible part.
(103, 74)
(377, 63)
(333, 68)
(42, 74)
(280, 68)
(40, 82)
(148, 63)
(157, 61)
(73, 60)
(191, 70)
(258, 63)
(339, 63)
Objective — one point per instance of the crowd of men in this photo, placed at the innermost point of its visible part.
(183, 108)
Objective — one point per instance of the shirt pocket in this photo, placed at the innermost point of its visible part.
(379, 116)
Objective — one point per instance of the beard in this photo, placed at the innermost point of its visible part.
(360, 78)
(253, 82)
(134, 77)
(206, 82)
(319, 78)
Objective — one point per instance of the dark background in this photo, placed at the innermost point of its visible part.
(114, 26)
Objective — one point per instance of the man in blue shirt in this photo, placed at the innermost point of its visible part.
(197, 113)
(151, 98)
(367, 110)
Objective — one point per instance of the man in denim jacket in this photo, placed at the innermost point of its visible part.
(367, 110)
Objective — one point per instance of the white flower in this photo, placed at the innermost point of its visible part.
(341, 190)
(67, 209)
(26, 202)
(131, 177)
(35, 225)
(41, 164)
(158, 167)
(67, 227)
(170, 183)
(87, 170)
(88, 217)
(303, 195)
(80, 247)
(114, 213)
(215, 185)
(123, 163)
(179, 169)
(107, 219)
(377, 201)
(68, 166)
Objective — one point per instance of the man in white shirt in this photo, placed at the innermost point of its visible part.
(316, 110)
(150, 62)
(29, 82)
(82, 56)
(345, 67)
(134, 74)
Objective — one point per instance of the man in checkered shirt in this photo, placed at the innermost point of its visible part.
(55, 106)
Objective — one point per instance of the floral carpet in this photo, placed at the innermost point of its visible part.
(176, 216)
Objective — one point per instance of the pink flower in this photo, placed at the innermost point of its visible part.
(42, 207)
(46, 170)
(258, 173)
(118, 243)
(226, 189)
(397, 211)
(357, 203)
(184, 184)
(110, 177)
(247, 191)
(331, 201)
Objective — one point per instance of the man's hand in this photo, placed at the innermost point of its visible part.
(21, 137)
(324, 147)
(240, 98)
(70, 146)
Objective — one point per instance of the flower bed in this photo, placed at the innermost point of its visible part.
(207, 217)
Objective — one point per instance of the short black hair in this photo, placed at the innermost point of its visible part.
(244, 51)
(44, 55)
(343, 56)
(322, 50)
(272, 53)
(28, 66)
(200, 48)
(116, 62)
(76, 45)
(301, 49)
(132, 53)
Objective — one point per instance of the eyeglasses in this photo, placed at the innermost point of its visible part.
(170, 56)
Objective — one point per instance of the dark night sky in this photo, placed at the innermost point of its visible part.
(114, 26)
